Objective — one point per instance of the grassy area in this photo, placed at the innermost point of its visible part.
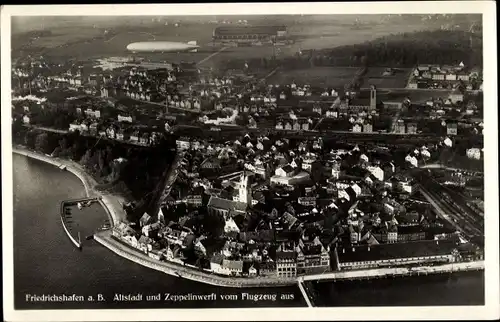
(316, 76)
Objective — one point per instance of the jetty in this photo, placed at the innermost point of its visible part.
(76, 240)
(305, 294)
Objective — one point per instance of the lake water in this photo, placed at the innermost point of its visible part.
(47, 263)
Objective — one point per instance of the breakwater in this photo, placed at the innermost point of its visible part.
(77, 243)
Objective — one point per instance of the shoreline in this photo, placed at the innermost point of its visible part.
(110, 204)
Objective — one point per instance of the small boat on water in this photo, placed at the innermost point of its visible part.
(89, 237)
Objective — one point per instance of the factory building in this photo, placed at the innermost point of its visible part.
(245, 34)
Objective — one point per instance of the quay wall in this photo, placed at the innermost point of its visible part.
(104, 238)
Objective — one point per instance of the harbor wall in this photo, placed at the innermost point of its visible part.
(73, 240)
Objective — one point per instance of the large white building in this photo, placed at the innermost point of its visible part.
(394, 254)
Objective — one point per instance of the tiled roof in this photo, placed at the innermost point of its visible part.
(230, 205)
(235, 265)
(285, 255)
(287, 168)
(144, 240)
(217, 258)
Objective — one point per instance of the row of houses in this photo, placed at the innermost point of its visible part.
(116, 133)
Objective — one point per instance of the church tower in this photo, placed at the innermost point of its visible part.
(245, 193)
(373, 97)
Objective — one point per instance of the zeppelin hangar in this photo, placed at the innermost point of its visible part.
(249, 34)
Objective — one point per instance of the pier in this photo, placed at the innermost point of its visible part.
(307, 297)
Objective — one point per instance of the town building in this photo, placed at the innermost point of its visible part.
(474, 153)
(183, 143)
(451, 128)
(400, 127)
(411, 128)
(357, 128)
(312, 257)
(225, 207)
(286, 264)
(26, 119)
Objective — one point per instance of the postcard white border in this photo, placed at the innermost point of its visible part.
(489, 311)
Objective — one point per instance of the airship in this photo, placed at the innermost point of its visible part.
(163, 46)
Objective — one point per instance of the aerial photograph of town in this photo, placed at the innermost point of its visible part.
(224, 161)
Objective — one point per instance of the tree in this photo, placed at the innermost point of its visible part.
(316, 172)
(213, 224)
(42, 142)
(17, 125)
(29, 139)
(85, 160)
(63, 143)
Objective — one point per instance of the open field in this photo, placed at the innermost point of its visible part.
(398, 80)
(386, 82)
